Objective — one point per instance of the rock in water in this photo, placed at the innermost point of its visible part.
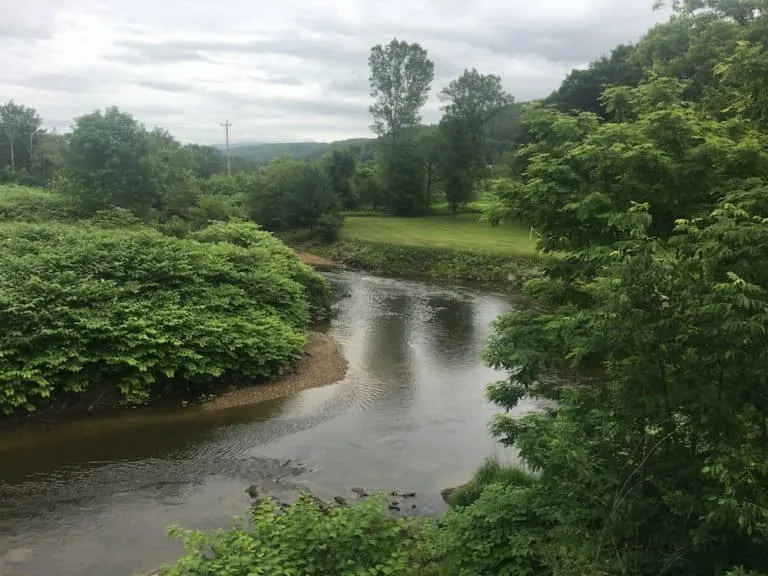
(253, 491)
(446, 495)
(340, 500)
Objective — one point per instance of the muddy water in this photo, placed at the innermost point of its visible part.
(93, 496)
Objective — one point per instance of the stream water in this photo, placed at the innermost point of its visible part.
(94, 495)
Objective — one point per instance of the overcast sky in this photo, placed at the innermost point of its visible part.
(283, 69)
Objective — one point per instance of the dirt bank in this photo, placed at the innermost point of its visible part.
(323, 363)
(318, 261)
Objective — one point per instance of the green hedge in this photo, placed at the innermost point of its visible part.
(23, 204)
(438, 263)
(82, 305)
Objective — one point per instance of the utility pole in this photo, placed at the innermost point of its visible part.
(226, 125)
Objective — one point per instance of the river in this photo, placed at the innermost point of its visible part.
(94, 495)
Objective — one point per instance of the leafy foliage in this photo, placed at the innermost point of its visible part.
(307, 538)
(84, 305)
(290, 194)
(22, 204)
(655, 463)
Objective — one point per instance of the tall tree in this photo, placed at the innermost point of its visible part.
(110, 163)
(470, 102)
(401, 76)
(18, 126)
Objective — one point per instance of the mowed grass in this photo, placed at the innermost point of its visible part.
(462, 232)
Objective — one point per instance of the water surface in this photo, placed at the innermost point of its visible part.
(94, 495)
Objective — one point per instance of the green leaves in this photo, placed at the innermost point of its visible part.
(308, 538)
(84, 306)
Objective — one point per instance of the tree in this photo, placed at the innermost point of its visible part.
(110, 163)
(656, 462)
(18, 125)
(290, 194)
(470, 102)
(208, 160)
(401, 167)
(401, 75)
(368, 185)
(339, 166)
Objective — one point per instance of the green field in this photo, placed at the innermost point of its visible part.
(461, 232)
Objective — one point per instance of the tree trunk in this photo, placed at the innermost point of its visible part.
(13, 155)
(453, 204)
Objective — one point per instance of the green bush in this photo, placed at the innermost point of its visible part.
(305, 539)
(502, 533)
(418, 261)
(282, 258)
(82, 306)
(489, 474)
(21, 204)
(327, 227)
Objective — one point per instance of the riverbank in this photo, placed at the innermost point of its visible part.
(322, 363)
(429, 263)
(440, 247)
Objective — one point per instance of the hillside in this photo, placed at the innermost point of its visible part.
(300, 150)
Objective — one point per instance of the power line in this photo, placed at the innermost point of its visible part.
(226, 125)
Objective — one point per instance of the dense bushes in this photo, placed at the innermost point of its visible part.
(33, 205)
(417, 261)
(306, 539)
(85, 305)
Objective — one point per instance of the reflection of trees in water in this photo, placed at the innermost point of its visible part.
(451, 330)
(387, 353)
(152, 434)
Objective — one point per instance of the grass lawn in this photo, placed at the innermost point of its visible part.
(461, 232)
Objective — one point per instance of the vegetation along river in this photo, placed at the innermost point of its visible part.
(94, 495)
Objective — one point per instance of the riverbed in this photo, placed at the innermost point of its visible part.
(94, 495)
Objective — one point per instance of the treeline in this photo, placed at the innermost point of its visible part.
(110, 160)
(646, 177)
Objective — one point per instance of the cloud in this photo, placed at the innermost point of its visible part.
(284, 70)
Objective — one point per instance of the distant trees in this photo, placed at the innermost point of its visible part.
(470, 102)
(110, 163)
(339, 166)
(19, 126)
(290, 194)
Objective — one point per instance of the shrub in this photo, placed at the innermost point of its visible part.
(501, 533)
(249, 236)
(327, 228)
(84, 305)
(488, 474)
(22, 204)
(306, 539)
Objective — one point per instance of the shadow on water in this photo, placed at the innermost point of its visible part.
(94, 495)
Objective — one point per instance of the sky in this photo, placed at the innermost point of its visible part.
(284, 70)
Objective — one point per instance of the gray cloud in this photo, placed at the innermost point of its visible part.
(164, 86)
(290, 70)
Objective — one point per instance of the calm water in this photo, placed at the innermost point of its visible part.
(93, 496)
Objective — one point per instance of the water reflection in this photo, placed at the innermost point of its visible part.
(387, 355)
(94, 495)
(451, 329)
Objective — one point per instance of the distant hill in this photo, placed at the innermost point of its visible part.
(308, 151)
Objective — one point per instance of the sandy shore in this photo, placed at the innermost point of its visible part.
(317, 261)
(323, 363)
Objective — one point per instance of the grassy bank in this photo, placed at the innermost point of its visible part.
(448, 247)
